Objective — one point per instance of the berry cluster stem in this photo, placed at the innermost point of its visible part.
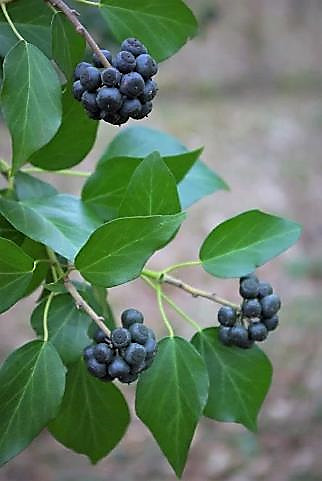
(163, 278)
(72, 16)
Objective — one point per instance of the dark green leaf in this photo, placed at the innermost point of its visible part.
(9, 232)
(199, 182)
(32, 19)
(95, 425)
(239, 379)
(36, 251)
(67, 326)
(73, 140)
(242, 243)
(32, 383)
(16, 270)
(152, 190)
(67, 45)
(171, 397)
(61, 221)
(31, 100)
(29, 187)
(163, 25)
(117, 251)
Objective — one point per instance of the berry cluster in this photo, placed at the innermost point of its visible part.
(126, 353)
(257, 316)
(124, 90)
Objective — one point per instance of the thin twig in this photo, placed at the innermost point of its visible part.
(10, 22)
(72, 16)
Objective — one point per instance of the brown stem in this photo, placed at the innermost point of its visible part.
(82, 304)
(79, 27)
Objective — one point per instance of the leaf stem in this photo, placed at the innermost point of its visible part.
(161, 277)
(10, 22)
(180, 266)
(88, 2)
(166, 321)
(73, 173)
(72, 16)
(45, 318)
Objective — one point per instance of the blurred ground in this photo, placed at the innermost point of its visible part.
(266, 143)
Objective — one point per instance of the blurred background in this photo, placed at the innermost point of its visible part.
(249, 89)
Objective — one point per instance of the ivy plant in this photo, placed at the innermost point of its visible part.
(132, 205)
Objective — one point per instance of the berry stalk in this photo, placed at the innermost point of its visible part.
(71, 15)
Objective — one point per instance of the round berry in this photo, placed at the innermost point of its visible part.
(91, 79)
(80, 68)
(270, 305)
(271, 323)
(150, 91)
(151, 348)
(109, 99)
(248, 276)
(97, 115)
(120, 337)
(128, 378)
(151, 333)
(96, 368)
(257, 331)
(114, 118)
(99, 335)
(111, 77)
(103, 353)
(227, 316)
(131, 316)
(135, 354)
(134, 46)
(249, 288)
(265, 289)
(146, 65)
(136, 369)
(96, 61)
(145, 111)
(118, 367)
(132, 85)
(88, 352)
(239, 336)
(131, 107)
(78, 90)
(125, 62)
(251, 308)
(139, 333)
(89, 101)
(224, 335)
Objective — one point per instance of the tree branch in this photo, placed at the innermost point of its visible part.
(71, 15)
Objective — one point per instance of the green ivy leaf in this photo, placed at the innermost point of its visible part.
(29, 187)
(117, 251)
(152, 190)
(68, 46)
(171, 397)
(32, 383)
(63, 152)
(169, 20)
(9, 232)
(16, 270)
(61, 221)
(95, 425)
(67, 326)
(243, 243)
(195, 179)
(36, 251)
(32, 19)
(31, 100)
(239, 379)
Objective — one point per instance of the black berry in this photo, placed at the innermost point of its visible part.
(125, 62)
(120, 337)
(270, 305)
(88, 352)
(89, 102)
(146, 66)
(78, 90)
(118, 367)
(257, 331)
(145, 111)
(271, 323)
(224, 335)
(111, 77)
(135, 354)
(139, 333)
(249, 288)
(131, 316)
(96, 368)
(131, 107)
(227, 316)
(132, 85)
(109, 99)
(103, 353)
(239, 336)
(150, 91)
(96, 61)
(134, 46)
(91, 79)
(248, 276)
(80, 68)
(99, 335)
(251, 308)
(115, 118)
(129, 378)
(265, 289)
(151, 348)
